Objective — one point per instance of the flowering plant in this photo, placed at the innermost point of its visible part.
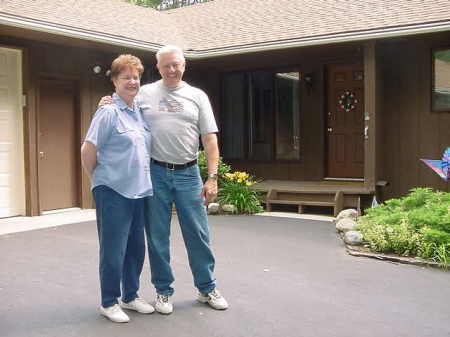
(235, 190)
(222, 169)
(240, 178)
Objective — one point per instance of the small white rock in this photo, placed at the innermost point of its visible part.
(213, 208)
(345, 225)
(353, 238)
(349, 213)
(228, 208)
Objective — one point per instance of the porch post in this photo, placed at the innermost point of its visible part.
(370, 116)
(85, 121)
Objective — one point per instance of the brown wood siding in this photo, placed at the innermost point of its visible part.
(405, 127)
(208, 73)
(59, 62)
(411, 130)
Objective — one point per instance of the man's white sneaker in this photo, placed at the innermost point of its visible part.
(163, 304)
(139, 305)
(214, 299)
(115, 314)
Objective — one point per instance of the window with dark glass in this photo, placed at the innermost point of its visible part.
(440, 96)
(261, 116)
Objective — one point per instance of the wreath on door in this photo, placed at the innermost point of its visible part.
(348, 101)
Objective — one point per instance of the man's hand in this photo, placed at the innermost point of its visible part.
(209, 141)
(105, 100)
(209, 191)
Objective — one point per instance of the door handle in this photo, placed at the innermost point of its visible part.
(41, 154)
(330, 129)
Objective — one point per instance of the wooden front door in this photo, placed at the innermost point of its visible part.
(57, 145)
(345, 122)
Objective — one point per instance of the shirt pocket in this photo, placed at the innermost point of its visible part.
(125, 135)
(121, 128)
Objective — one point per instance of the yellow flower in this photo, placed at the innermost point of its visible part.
(229, 176)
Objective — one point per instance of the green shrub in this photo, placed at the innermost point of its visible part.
(202, 164)
(235, 190)
(416, 225)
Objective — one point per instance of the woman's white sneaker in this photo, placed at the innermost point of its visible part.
(214, 299)
(163, 304)
(115, 314)
(139, 305)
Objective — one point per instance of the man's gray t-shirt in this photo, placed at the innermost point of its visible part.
(176, 117)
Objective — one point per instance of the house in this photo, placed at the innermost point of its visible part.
(340, 95)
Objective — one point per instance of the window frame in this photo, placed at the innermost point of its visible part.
(433, 79)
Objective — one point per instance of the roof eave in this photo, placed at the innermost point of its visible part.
(322, 40)
(36, 25)
(46, 27)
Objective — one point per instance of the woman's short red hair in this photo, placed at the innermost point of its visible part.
(126, 61)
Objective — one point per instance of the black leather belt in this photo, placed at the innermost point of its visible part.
(170, 166)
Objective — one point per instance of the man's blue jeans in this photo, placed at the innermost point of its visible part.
(182, 187)
(120, 224)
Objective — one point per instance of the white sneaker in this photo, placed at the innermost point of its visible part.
(115, 314)
(163, 304)
(139, 305)
(214, 299)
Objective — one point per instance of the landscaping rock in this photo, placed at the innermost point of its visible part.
(349, 213)
(353, 238)
(345, 225)
(213, 208)
(228, 208)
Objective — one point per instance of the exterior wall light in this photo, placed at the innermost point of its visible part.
(97, 69)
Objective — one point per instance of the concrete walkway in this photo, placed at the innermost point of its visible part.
(283, 278)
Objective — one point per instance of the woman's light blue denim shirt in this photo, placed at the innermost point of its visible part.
(123, 147)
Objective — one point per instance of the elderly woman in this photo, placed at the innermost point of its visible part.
(115, 155)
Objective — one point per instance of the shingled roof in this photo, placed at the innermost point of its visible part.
(94, 19)
(229, 26)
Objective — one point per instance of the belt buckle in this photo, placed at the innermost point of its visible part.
(170, 167)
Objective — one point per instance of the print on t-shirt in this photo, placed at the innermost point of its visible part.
(166, 105)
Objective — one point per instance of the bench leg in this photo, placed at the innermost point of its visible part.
(300, 209)
(338, 202)
(268, 207)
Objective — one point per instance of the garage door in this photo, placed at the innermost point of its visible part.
(12, 182)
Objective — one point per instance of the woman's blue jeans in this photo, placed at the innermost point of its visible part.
(120, 224)
(182, 187)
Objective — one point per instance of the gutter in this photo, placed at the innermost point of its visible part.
(322, 40)
(78, 33)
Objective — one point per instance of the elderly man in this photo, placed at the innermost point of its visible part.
(178, 115)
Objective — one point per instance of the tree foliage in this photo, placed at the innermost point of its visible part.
(165, 4)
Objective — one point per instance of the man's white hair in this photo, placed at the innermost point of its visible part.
(168, 50)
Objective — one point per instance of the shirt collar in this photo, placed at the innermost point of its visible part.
(182, 84)
(122, 105)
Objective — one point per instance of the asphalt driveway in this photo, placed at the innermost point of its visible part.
(282, 277)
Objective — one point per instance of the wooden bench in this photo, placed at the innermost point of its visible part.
(306, 198)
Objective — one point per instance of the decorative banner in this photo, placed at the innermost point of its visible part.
(441, 167)
(348, 101)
